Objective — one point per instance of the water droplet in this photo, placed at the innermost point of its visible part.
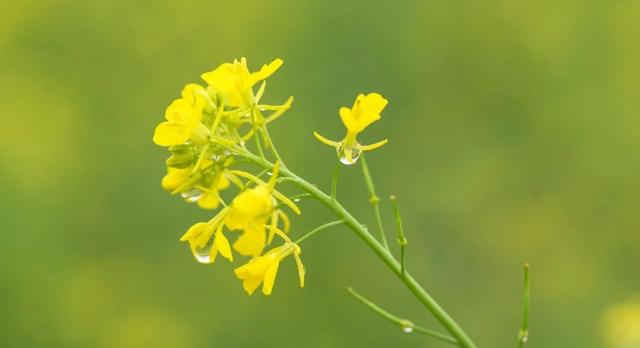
(407, 329)
(192, 195)
(349, 155)
(296, 200)
(269, 173)
(217, 156)
(203, 254)
(407, 326)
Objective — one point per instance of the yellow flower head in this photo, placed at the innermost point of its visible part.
(183, 118)
(250, 212)
(235, 83)
(263, 269)
(365, 110)
(206, 240)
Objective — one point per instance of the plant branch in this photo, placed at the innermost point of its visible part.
(374, 200)
(416, 289)
(523, 334)
(406, 325)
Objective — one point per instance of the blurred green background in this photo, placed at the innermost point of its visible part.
(514, 136)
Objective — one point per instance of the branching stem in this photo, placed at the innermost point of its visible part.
(416, 289)
(374, 200)
(405, 325)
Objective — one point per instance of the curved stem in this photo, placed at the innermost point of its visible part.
(418, 291)
(318, 229)
(374, 200)
(406, 325)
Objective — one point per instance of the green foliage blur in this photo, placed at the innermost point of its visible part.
(514, 131)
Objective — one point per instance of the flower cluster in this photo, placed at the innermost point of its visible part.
(201, 129)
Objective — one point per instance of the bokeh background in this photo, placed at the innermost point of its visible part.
(514, 132)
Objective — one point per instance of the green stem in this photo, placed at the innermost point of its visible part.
(523, 335)
(402, 240)
(406, 325)
(334, 180)
(318, 229)
(374, 200)
(416, 289)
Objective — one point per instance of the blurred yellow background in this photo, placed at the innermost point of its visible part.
(514, 132)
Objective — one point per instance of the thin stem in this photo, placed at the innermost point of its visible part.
(406, 325)
(402, 240)
(267, 137)
(318, 229)
(255, 132)
(416, 289)
(300, 196)
(374, 200)
(334, 180)
(523, 335)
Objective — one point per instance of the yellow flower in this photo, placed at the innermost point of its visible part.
(206, 240)
(251, 211)
(183, 118)
(366, 110)
(235, 83)
(263, 269)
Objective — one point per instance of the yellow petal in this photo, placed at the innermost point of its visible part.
(270, 277)
(174, 179)
(194, 231)
(213, 253)
(346, 117)
(365, 110)
(222, 243)
(250, 285)
(265, 71)
(251, 242)
(170, 133)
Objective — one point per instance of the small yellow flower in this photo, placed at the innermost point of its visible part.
(366, 110)
(251, 211)
(206, 240)
(263, 269)
(183, 118)
(235, 83)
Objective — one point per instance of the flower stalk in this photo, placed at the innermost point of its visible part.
(406, 325)
(383, 254)
(523, 334)
(375, 202)
(203, 133)
(402, 240)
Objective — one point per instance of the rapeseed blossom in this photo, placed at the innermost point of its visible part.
(365, 110)
(206, 132)
(263, 269)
